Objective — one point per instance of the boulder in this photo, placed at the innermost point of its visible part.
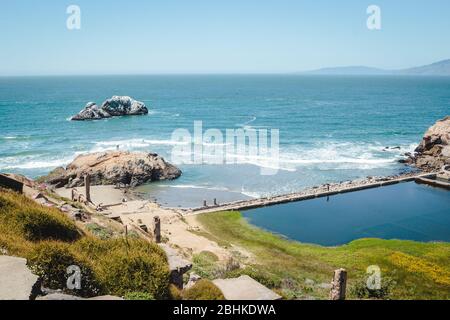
(114, 167)
(178, 266)
(17, 282)
(433, 152)
(91, 112)
(116, 106)
(119, 106)
(244, 288)
(193, 279)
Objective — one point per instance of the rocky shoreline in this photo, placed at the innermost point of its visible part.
(433, 152)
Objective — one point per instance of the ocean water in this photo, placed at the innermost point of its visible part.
(406, 211)
(331, 128)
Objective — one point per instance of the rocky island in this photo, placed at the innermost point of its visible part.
(116, 106)
(114, 167)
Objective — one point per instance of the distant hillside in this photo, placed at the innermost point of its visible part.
(352, 70)
(441, 68)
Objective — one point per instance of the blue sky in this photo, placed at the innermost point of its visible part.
(211, 36)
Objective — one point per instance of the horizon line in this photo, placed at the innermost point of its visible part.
(303, 72)
(294, 73)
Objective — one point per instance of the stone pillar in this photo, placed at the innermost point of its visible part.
(157, 229)
(87, 185)
(338, 285)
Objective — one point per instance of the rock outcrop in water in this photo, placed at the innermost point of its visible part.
(116, 106)
(114, 167)
(433, 152)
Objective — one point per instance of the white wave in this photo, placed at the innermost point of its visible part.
(191, 186)
(339, 155)
(37, 164)
(338, 160)
(215, 144)
(251, 194)
(36, 161)
(166, 142)
(361, 155)
(132, 144)
(246, 124)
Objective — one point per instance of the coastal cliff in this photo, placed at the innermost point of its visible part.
(116, 106)
(114, 167)
(433, 152)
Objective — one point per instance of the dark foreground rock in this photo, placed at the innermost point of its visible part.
(116, 106)
(433, 152)
(114, 167)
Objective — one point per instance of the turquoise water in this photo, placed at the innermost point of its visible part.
(406, 211)
(331, 128)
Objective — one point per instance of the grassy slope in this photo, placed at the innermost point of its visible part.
(420, 270)
(51, 242)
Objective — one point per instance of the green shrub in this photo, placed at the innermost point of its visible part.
(175, 293)
(99, 231)
(13, 244)
(50, 261)
(24, 217)
(203, 290)
(138, 296)
(259, 274)
(205, 264)
(51, 242)
(134, 266)
(360, 290)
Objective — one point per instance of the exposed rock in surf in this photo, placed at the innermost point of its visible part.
(433, 152)
(114, 167)
(116, 106)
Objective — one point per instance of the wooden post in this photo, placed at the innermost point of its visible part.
(157, 229)
(87, 185)
(339, 285)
